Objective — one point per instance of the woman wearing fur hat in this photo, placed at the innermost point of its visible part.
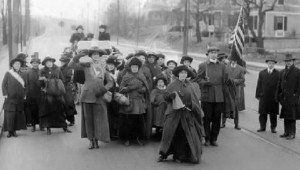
(159, 104)
(53, 113)
(183, 127)
(112, 107)
(13, 89)
(69, 97)
(135, 86)
(168, 73)
(33, 93)
(94, 120)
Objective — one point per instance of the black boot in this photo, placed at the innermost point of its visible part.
(48, 131)
(92, 144)
(67, 130)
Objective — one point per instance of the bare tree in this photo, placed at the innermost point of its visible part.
(262, 7)
(4, 22)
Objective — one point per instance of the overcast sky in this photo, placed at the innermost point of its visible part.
(73, 9)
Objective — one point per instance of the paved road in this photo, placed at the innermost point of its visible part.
(238, 150)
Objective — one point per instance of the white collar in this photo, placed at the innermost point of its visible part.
(270, 70)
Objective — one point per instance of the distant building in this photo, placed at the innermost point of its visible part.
(281, 30)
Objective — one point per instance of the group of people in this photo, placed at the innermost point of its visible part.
(125, 99)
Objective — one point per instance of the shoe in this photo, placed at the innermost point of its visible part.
(96, 144)
(33, 129)
(9, 135)
(290, 137)
(214, 143)
(71, 124)
(273, 131)
(42, 129)
(91, 146)
(223, 125)
(261, 130)
(127, 143)
(14, 134)
(160, 158)
(284, 135)
(140, 142)
(237, 128)
(67, 130)
(206, 143)
(48, 131)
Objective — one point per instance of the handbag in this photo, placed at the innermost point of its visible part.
(107, 97)
(55, 87)
(121, 99)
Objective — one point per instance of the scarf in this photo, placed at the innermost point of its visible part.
(17, 77)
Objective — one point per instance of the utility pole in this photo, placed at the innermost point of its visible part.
(186, 28)
(10, 37)
(138, 26)
(20, 26)
(15, 26)
(118, 22)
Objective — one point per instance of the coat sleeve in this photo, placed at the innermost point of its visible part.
(109, 81)
(240, 80)
(201, 74)
(278, 89)
(258, 86)
(5, 85)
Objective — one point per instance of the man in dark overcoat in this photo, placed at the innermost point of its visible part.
(211, 78)
(288, 93)
(103, 35)
(265, 92)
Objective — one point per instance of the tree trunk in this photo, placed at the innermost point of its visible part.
(10, 38)
(259, 39)
(4, 25)
(198, 33)
(15, 26)
(27, 22)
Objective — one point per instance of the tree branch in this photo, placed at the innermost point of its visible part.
(271, 8)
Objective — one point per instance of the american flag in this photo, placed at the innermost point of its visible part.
(237, 40)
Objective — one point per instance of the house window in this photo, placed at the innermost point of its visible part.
(280, 2)
(253, 22)
(210, 19)
(280, 23)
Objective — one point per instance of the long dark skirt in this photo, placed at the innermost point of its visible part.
(182, 137)
(94, 122)
(33, 107)
(132, 126)
(113, 118)
(70, 103)
(52, 112)
(14, 120)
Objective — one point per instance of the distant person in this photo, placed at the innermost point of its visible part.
(265, 93)
(103, 35)
(77, 36)
(89, 37)
(288, 96)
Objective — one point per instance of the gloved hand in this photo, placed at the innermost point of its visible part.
(85, 64)
(102, 91)
(78, 56)
(124, 90)
(172, 95)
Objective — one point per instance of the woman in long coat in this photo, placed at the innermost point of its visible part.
(13, 89)
(134, 85)
(94, 120)
(183, 128)
(69, 97)
(112, 107)
(34, 93)
(53, 107)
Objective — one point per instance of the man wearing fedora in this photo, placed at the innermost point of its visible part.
(265, 92)
(211, 78)
(288, 93)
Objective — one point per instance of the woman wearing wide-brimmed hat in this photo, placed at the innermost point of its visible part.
(33, 93)
(112, 108)
(53, 105)
(183, 127)
(13, 89)
(135, 86)
(69, 97)
(94, 120)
